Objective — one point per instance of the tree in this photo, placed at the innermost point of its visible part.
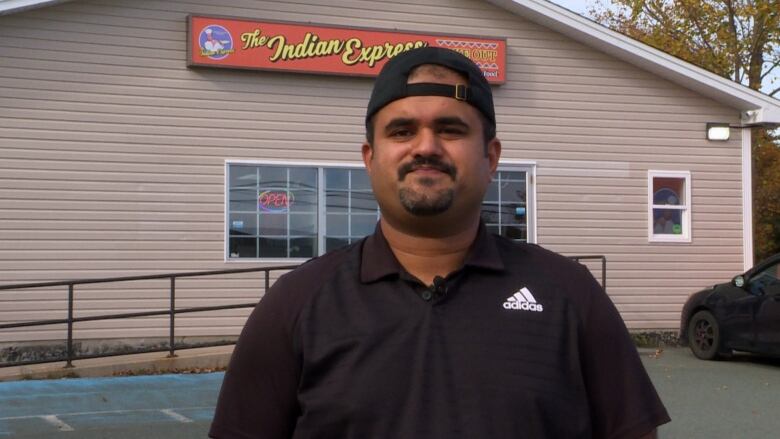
(737, 39)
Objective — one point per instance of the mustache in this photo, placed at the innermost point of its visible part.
(428, 162)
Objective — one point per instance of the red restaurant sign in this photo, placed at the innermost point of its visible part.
(263, 45)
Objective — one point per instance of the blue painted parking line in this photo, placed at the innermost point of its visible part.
(68, 405)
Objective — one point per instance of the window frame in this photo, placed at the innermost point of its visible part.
(685, 209)
(505, 165)
(529, 167)
(319, 165)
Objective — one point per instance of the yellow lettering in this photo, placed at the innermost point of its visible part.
(351, 46)
(485, 55)
(301, 49)
(372, 54)
(277, 44)
(253, 39)
(465, 52)
(311, 46)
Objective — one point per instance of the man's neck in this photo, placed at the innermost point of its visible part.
(425, 256)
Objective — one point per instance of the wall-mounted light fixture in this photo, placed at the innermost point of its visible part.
(718, 131)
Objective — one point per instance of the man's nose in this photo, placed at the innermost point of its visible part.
(427, 143)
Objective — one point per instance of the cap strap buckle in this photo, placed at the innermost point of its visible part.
(461, 92)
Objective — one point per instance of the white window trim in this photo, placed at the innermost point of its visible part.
(687, 209)
(288, 163)
(528, 166)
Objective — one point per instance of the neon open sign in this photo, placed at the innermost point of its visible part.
(275, 201)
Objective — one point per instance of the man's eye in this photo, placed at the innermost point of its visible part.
(453, 130)
(401, 132)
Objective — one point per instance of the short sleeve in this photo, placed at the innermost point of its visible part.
(258, 397)
(623, 402)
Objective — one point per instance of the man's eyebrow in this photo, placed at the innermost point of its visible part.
(452, 120)
(399, 122)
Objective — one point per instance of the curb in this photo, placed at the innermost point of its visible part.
(148, 363)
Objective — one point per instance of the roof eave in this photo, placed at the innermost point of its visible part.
(8, 7)
(755, 107)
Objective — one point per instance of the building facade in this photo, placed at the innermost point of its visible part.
(117, 158)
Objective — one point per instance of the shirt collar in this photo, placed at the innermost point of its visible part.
(378, 260)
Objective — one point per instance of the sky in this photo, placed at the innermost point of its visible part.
(581, 7)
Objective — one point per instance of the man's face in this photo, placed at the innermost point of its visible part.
(429, 157)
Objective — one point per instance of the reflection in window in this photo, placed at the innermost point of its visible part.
(670, 207)
(272, 211)
(504, 209)
(276, 211)
(351, 212)
(766, 278)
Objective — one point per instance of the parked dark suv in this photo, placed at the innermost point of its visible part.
(742, 315)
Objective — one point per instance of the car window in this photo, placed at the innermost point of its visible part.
(765, 278)
(771, 272)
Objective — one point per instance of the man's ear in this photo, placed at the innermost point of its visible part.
(493, 154)
(368, 154)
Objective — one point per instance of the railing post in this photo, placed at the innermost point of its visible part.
(604, 272)
(172, 311)
(267, 280)
(69, 358)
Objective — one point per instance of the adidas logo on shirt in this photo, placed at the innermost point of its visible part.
(523, 300)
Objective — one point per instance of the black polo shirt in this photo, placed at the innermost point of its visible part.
(519, 343)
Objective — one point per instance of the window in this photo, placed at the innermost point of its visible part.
(504, 208)
(766, 281)
(272, 211)
(669, 206)
(291, 211)
(351, 212)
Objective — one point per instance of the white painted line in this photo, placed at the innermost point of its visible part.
(102, 412)
(176, 416)
(57, 422)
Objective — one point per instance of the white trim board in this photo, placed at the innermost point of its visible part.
(755, 107)
(747, 198)
(8, 7)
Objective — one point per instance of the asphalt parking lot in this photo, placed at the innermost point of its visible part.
(733, 399)
(715, 400)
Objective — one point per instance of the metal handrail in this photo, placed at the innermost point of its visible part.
(603, 260)
(171, 311)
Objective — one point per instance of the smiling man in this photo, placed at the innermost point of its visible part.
(431, 327)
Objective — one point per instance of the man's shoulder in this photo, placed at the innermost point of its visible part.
(522, 254)
(558, 275)
(319, 270)
(292, 291)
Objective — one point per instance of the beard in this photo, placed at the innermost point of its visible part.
(422, 202)
(426, 203)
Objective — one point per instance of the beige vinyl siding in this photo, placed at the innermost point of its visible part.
(112, 154)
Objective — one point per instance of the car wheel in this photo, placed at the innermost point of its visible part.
(704, 335)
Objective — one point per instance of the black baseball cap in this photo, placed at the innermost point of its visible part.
(391, 84)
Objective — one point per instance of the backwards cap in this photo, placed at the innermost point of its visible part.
(391, 84)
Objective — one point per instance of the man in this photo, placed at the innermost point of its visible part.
(212, 44)
(431, 327)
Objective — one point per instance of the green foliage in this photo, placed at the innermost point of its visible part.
(737, 39)
(766, 194)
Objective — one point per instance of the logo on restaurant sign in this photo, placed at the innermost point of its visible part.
(215, 42)
(275, 201)
(307, 48)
